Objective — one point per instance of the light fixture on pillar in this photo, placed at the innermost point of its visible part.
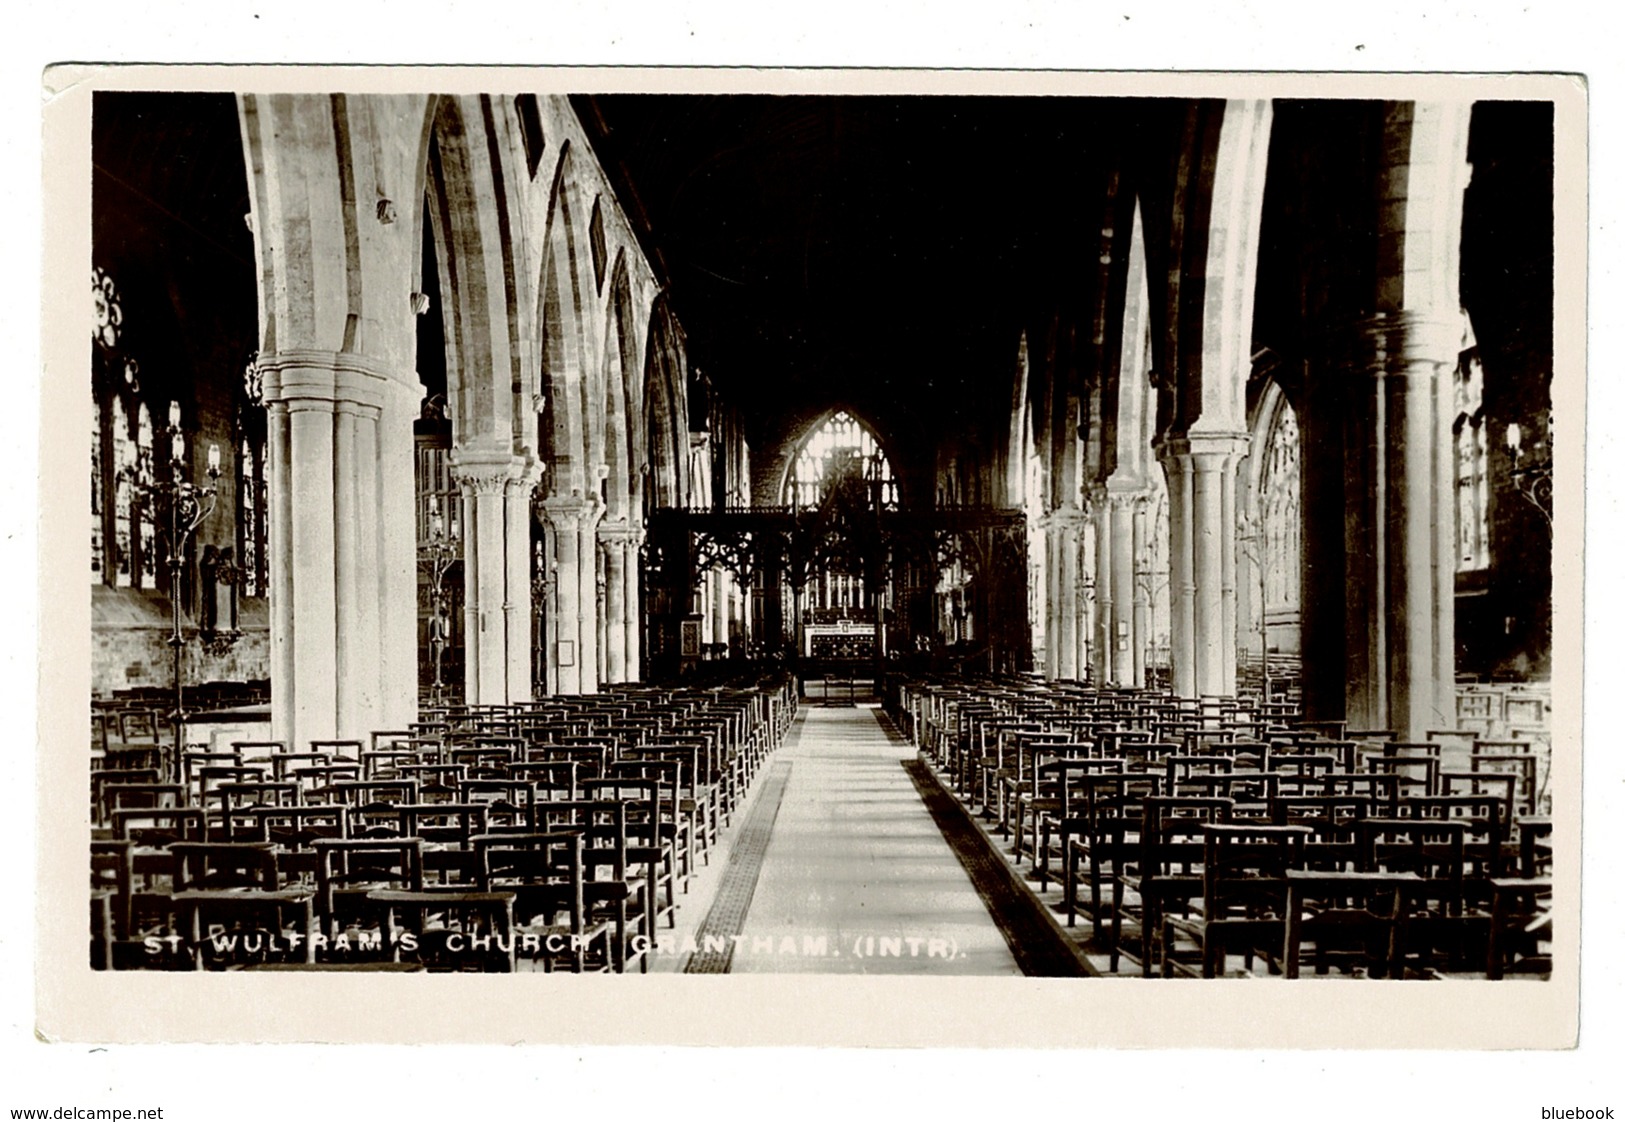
(218, 630)
(1532, 469)
(437, 553)
(180, 508)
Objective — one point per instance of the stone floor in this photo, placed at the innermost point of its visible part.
(854, 877)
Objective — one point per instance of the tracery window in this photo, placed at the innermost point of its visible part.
(123, 537)
(1472, 467)
(252, 559)
(841, 447)
(1283, 520)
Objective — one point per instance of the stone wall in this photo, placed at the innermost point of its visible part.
(129, 643)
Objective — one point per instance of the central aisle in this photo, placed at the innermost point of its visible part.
(857, 878)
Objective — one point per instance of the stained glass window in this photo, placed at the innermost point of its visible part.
(1283, 520)
(123, 536)
(841, 447)
(1472, 467)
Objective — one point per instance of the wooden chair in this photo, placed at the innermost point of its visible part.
(1244, 869)
(1165, 876)
(447, 929)
(232, 906)
(158, 827)
(1348, 916)
(547, 875)
(612, 891)
(1520, 927)
(348, 869)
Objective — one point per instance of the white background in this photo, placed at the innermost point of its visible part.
(318, 1083)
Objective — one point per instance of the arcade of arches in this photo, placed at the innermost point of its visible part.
(518, 398)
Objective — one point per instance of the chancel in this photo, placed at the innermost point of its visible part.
(994, 535)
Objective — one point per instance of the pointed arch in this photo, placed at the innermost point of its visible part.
(1270, 541)
(563, 343)
(665, 409)
(819, 449)
(465, 201)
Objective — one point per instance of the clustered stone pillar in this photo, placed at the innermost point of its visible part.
(572, 642)
(1069, 523)
(1064, 547)
(1121, 514)
(343, 652)
(1052, 598)
(634, 603)
(1202, 541)
(1398, 614)
(1102, 653)
(614, 550)
(1141, 632)
(517, 607)
(496, 489)
(618, 541)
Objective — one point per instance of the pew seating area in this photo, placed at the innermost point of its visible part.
(559, 834)
(1230, 837)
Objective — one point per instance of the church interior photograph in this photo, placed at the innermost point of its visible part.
(878, 534)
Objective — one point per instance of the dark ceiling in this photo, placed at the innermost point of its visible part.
(875, 252)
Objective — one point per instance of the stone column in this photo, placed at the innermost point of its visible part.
(587, 597)
(601, 610)
(634, 603)
(615, 539)
(1104, 654)
(516, 606)
(1202, 545)
(1142, 589)
(1052, 597)
(1213, 458)
(1399, 614)
(1068, 522)
(395, 509)
(1123, 634)
(565, 521)
(1175, 458)
(337, 551)
(489, 543)
(1227, 570)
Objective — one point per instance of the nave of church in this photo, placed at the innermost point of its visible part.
(1076, 536)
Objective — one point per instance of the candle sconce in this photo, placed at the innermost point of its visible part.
(1532, 468)
(438, 553)
(180, 507)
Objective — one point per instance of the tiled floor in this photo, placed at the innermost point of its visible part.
(857, 878)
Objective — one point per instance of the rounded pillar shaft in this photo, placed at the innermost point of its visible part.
(1142, 593)
(634, 607)
(334, 556)
(1181, 576)
(587, 603)
(614, 606)
(517, 606)
(1068, 535)
(1124, 637)
(1398, 593)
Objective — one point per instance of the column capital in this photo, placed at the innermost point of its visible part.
(570, 514)
(1393, 342)
(1067, 517)
(620, 531)
(487, 471)
(1203, 451)
(314, 379)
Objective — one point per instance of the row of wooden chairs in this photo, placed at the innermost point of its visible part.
(468, 848)
(1181, 819)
